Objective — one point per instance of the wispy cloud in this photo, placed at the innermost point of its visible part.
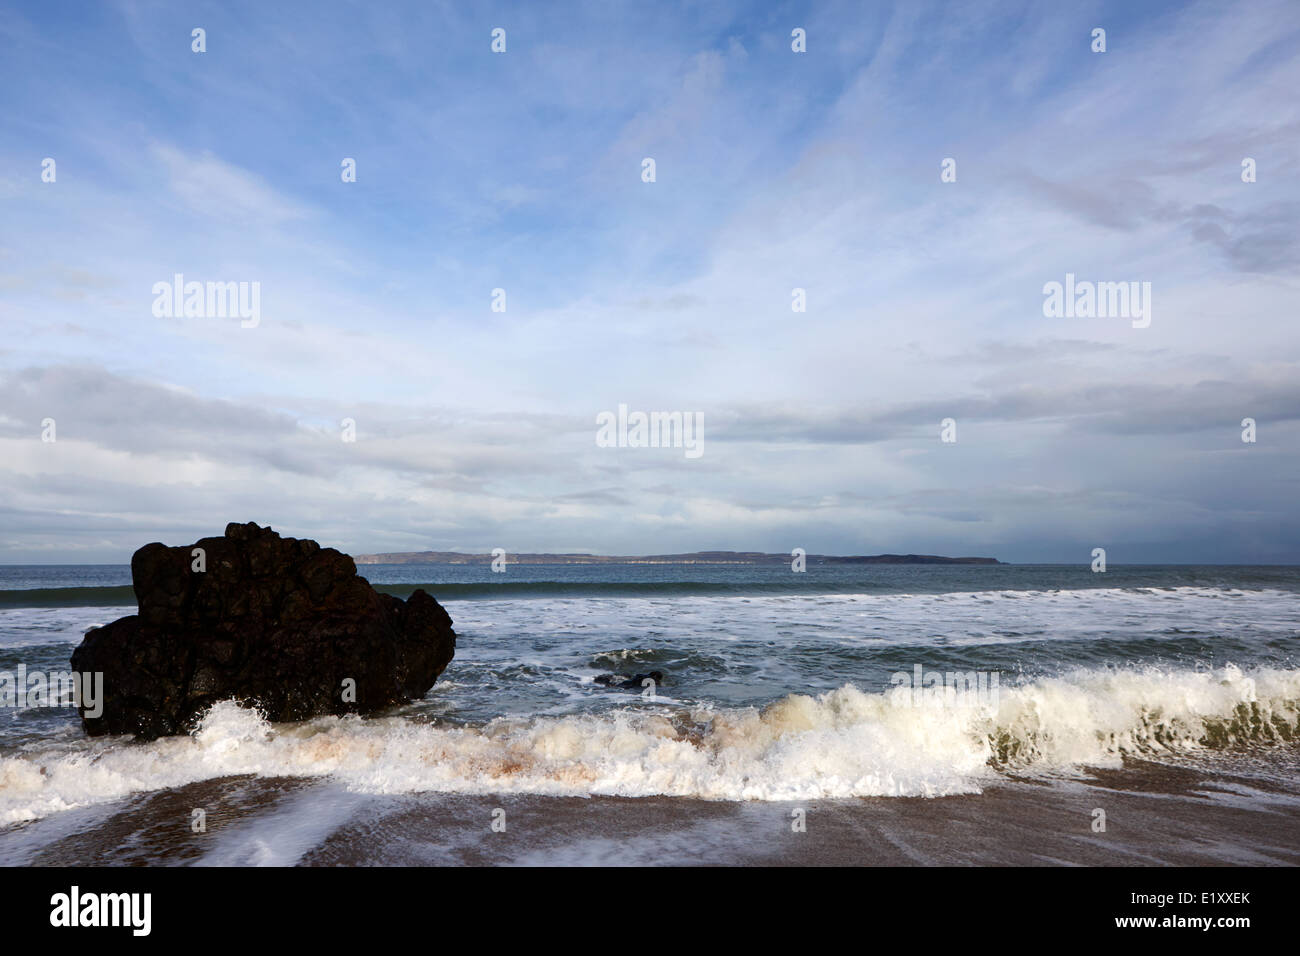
(222, 191)
(776, 171)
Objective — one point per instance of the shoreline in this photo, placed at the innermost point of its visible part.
(1156, 815)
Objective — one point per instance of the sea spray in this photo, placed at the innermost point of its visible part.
(842, 743)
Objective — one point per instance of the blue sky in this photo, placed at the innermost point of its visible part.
(775, 170)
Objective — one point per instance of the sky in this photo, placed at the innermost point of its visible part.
(774, 170)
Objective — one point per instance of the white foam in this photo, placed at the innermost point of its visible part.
(844, 743)
(286, 834)
(962, 618)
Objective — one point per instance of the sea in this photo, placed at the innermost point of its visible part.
(845, 715)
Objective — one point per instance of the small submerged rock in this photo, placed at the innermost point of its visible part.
(279, 623)
(628, 682)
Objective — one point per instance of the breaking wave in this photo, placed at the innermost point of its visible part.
(844, 743)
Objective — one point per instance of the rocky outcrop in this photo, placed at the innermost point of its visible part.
(280, 623)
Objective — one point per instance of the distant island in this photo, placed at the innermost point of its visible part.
(695, 557)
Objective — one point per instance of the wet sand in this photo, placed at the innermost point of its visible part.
(1155, 815)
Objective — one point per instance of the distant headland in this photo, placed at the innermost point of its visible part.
(694, 557)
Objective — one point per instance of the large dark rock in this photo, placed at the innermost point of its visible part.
(277, 622)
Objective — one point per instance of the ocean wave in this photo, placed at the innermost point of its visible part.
(124, 595)
(844, 743)
(681, 659)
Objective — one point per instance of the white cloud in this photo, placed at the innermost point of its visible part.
(219, 190)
